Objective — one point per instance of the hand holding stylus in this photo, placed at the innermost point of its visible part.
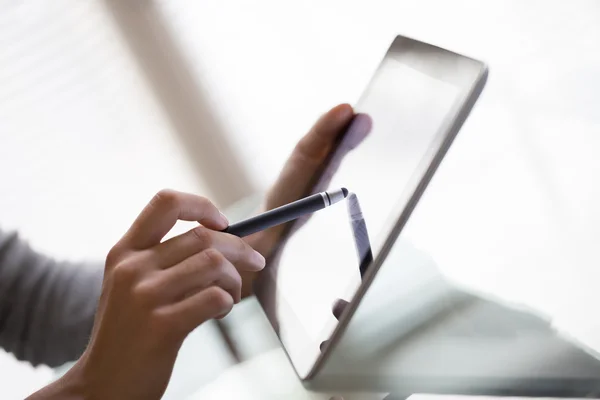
(155, 292)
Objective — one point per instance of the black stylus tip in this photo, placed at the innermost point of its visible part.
(345, 192)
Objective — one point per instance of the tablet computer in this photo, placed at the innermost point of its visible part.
(411, 325)
(409, 114)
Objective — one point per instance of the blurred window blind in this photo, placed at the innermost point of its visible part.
(84, 143)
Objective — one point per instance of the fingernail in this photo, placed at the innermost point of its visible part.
(260, 260)
(224, 219)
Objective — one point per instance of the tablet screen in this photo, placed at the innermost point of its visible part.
(385, 155)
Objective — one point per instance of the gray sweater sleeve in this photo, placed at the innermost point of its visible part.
(47, 307)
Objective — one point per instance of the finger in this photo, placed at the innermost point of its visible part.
(338, 308)
(191, 312)
(235, 249)
(163, 211)
(314, 147)
(200, 271)
(323, 344)
(309, 154)
(354, 135)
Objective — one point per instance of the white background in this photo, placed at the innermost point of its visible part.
(520, 187)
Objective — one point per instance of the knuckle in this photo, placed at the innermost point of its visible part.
(234, 275)
(145, 293)
(165, 197)
(204, 202)
(210, 211)
(218, 299)
(124, 273)
(113, 256)
(237, 281)
(202, 235)
(213, 257)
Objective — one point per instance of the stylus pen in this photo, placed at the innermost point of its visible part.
(286, 213)
(361, 234)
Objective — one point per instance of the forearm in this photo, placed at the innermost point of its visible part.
(47, 307)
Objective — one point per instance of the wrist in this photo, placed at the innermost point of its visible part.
(70, 386)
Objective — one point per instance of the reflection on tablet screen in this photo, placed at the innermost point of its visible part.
(318, 264)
